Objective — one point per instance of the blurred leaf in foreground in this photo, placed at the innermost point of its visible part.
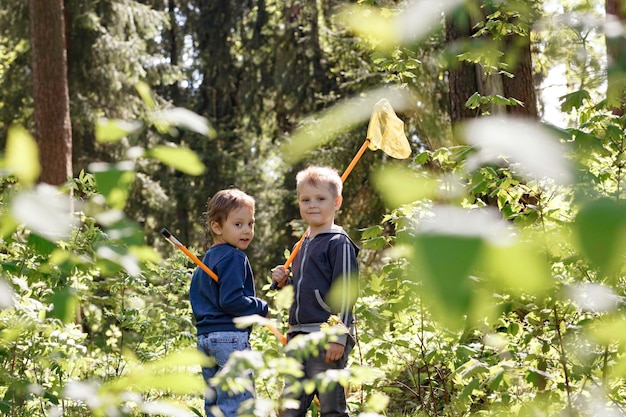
(339, 119)
(113, 181)
(181, 158)
(45, 211)
(181, 117)
(22, 155)
(447, 248)
(601, 229)
(113, 130)
(535, 151)
(386, 29)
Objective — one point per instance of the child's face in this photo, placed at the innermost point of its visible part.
(237, 230)
(317, 206)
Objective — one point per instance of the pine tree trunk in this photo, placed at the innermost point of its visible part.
(463, 77)
(616, 52)
(521, 86)
(50, 90)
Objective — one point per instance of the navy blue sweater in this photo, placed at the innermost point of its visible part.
(216, 304)
(329, 259)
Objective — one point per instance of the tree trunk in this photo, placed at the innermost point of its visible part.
(466, 79)
(463, 76)
(50, 91)
(616, 54)
(521, 86)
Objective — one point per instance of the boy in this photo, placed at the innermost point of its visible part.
(230, 219)
(327, 258)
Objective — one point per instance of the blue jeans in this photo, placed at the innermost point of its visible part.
(219, 345)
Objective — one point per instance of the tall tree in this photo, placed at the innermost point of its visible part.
(521, 85)
(462, 76)
(616, 53)
(507, 29)
(50, 90)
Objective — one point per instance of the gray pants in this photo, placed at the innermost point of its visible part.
(332, 401)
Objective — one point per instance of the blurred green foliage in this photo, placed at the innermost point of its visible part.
(488, 288)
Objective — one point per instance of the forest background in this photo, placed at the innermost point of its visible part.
(491, 276)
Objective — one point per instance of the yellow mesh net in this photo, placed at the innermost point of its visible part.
(386, 131)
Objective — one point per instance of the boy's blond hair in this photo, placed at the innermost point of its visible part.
(321, 175)
(223, 203)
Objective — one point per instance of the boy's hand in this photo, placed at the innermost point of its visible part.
(280, 275)
(334, 352)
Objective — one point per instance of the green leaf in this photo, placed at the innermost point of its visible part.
(372, 232)
(187, 119)
(443, 264)
(601, 230)
(376, 243)
(113, 130)
(22, 155)
(422, 158)
(5, 407)
(520, 268)
(574, 100)
(41, 245)
(146, 95)
(399, 185)
(114, 181)
(494, 381)
(65, 305)
(181, 158)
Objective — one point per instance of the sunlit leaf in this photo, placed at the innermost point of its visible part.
(118, 258)
(484, 223)
(7, 226)
(145, 253)
(45, 211)
(342, 293)
(520, 268)
(247, 321)
(169, 373)
(113, 130)
(6, 295)
(339, 119)
(284, 298)
(164, 408)
(181, 158)
(372, 232)
(22, 155)
(187, 119)
(594, 297)
(609, 330)
(385, 30)
(399, 185)
(534, 149)
(447, 247)
(146, 95)
(125, 230)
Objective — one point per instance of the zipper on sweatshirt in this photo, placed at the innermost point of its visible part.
(306, 247)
